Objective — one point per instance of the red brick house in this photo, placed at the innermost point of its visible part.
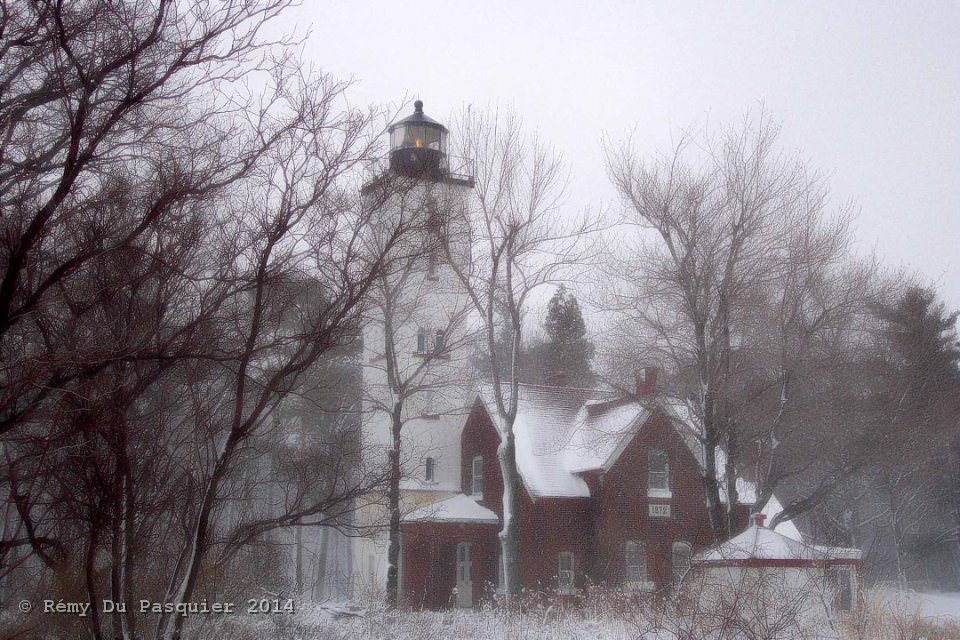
(612, 493)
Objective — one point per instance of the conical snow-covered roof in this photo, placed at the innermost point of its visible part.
(758, 544)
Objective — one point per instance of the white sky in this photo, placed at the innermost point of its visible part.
(869, 92)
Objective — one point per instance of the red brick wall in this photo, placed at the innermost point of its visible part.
(481, 438)
(622, 503)
(549, 526)
(430, 557)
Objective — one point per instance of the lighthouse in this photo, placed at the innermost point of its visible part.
(415, 337)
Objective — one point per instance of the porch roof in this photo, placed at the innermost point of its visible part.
(459, 508)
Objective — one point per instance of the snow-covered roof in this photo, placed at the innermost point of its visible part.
(562, 431)
(418, 484)
(602, 431)
(760, 543)
(459, 508)
(547, 418)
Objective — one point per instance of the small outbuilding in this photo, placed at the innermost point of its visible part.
(763, 564)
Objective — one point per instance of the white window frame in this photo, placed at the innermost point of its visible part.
(680, 545)
(567, 572)
(476, 479)
(658, 482)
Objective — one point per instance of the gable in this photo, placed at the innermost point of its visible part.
(656, 433)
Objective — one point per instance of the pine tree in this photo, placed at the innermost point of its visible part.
(564, 357)
(922, 338)
(920, 386)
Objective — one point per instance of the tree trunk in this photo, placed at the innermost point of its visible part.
(393, 499)
(510, 535)
(90, 574)
(711, 486)
(731, 480)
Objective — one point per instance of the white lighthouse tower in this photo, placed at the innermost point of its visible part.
(416, 373)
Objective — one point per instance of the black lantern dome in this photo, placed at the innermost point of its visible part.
(418, 145)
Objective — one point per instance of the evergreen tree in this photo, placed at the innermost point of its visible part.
(564, 357)
(922, 338)
(919, 387)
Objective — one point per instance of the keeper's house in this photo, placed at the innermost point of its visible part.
(612, 493)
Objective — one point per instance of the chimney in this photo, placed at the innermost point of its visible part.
(646, 381)
(758, 519)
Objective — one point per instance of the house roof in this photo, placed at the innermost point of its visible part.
(759, 543)
(547, 418)
(459, 508)
(562, 432)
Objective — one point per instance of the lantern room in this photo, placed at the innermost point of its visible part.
(418, 145)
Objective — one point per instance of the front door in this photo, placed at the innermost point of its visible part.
(464, 574)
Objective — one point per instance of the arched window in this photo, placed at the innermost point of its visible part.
(681, 560)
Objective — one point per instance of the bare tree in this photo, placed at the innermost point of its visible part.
(175, 262)
(99, 101)
(744, 251)
(516, 242)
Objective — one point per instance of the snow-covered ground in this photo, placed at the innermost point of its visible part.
(937, 606)
(889, 615)
(940, 605)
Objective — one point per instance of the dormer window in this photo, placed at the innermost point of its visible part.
(658, 474)
(429, 468)
(477, 484)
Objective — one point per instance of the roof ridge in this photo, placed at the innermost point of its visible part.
(559, 388)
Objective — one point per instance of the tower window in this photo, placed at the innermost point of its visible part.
(477, 488)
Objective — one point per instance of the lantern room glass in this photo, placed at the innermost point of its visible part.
(418, 136)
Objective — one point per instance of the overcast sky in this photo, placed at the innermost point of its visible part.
(869, 92)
